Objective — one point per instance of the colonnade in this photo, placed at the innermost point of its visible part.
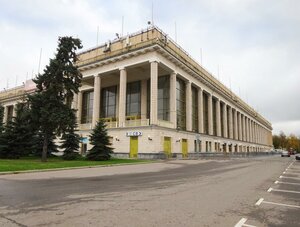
(235, 123)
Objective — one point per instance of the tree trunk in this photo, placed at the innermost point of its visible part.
(45, 149)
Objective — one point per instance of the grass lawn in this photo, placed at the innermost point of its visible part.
(55, 163)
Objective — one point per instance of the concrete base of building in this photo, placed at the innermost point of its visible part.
(153, 156)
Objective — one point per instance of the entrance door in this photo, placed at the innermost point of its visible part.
(184, 148)
(167, 146)
(134, 145)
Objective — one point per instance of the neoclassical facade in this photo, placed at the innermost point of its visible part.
(157, 101)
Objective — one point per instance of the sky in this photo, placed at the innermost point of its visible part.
(251, 46)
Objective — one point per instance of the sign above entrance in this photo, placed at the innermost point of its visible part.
(134, 133)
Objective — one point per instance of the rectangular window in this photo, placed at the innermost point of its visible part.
(87, 107)
(233, 123)
(205, 113)
(195, 109)
(10, 112)
(180, 104)
(228, 122)
(108, 102)
(133, 99)
(222, 118)
(214, 110)
(163, 98)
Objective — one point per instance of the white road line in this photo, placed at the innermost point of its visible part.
(278, 190)
(295, 178)
(283, 182)
(259, 201)
(281, 204)
(246, 225)
(242, 223)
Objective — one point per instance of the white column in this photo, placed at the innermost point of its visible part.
(246, 129)
(200, 110)
(251, 131)
(255, 128)
(143, 99)
(230, 123)
(173, 99)
(74, 101)
(188, 103)
(235, 125)
(96, 101)
(79, 107)
(210, 115)
(153, 92)
(122, 97)
(15, 110)
(218, 114)
(225, 130)
(4, 114)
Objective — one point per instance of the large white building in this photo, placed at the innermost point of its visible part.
(157, 101)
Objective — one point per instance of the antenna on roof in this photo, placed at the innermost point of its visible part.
(175, 32)
(122, 26)
(201, 56)
(16, 80)
(40, 61)
(152, 14)
(97, 34)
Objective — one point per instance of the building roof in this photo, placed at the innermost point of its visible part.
(153, 36)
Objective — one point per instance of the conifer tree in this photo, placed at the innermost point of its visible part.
(59, 81)
(1, 118)
(101, 149)
(18, 134)
(70, 140)
(1, 128)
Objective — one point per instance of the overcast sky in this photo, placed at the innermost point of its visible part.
(252, 46)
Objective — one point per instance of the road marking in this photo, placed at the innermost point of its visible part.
(278, 190)
(283, 182)
(242, 223)
(295, 178)
(259, 201)
(281, 204)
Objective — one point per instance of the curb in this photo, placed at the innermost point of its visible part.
(69, 168)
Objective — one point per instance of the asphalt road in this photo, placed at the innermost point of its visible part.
(211, 192)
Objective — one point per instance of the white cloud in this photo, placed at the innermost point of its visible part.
(255, 43)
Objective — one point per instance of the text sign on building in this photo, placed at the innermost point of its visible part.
(134, 133)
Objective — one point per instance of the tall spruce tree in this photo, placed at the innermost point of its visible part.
(1, 127)
(101, 149)
(59, 81)
(70, 140)
(1, 117)
(2, 139)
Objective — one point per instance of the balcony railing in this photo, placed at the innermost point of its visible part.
(166, 124)
(86, 126)
(137, 122)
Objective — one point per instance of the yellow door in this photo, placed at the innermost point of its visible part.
(184, 148)
(167, 146)
(134, 144)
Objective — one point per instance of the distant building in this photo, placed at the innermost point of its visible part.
(156, 101)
